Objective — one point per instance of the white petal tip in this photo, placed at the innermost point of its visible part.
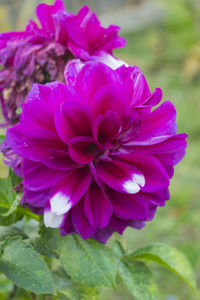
(52, 220)
(110, 61)
(131, 187)
(60, 203)
(139, 179)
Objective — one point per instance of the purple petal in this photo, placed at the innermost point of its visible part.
(74, 119)
(80, 221)
(68, 24)
(162, 121)
(128, 206)
(110, 98)
(60, 93)
(156, 177)
(93, 76)
(71, 71)
(38, 198)
(120, 176)
(97, 206)
(45, 12)
(155, 98)
(82, 149)
(59, 160)
(119, 225)
(107, 128)
(69, 190)
(102, 235)
(67, 226)
(37, 177)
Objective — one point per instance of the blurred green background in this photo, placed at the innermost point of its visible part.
(167, 49)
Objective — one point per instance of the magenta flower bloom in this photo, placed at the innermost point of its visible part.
(95, 157)
(39, 54)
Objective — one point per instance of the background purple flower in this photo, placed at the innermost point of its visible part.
(95, 157)
(39, 54)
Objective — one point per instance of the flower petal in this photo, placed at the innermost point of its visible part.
(110, 98)
(71, 71)
(45, 13)
(67, 192)
(74, 119)
(93, 76)
(120, 176)
(82, 149)
(156, 177)
(162, 121)
(80, 221)
(53, 220)
(59, 160)
(38, 198)
(37, 177)
(97, 206)
(107, 128)
(109, 60)
(128, 206)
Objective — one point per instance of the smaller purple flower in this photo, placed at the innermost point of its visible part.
(39, 54)
(95, 156)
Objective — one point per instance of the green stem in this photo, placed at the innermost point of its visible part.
(30, 214)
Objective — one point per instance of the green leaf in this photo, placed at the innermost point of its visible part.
(21, 264)
(10, 211)
(15, 180)
(48, 242)
(73, 291)
(169, 257)
(7, 205)
(88, 262)
(7, 196)
(11, 232)
(64, 284)
(2, 138)
(138, 279)
(86, 293)
(13, 206)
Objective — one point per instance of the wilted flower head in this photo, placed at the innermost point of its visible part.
(40, 53)
(95, 157)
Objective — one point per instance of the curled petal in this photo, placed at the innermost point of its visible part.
(107, 128)
(162, 121)
(71, 71)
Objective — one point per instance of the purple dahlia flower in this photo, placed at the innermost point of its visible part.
(39, 54)
(95, 157)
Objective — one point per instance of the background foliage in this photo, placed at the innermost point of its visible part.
(169, 55)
